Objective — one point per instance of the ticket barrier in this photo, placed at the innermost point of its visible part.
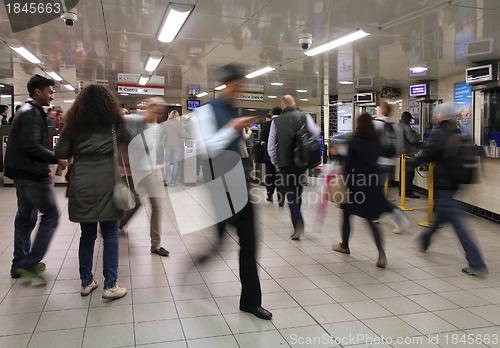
(189, 163)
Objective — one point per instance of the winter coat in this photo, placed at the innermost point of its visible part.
(92, 173)
(366, 198)
(28, 156)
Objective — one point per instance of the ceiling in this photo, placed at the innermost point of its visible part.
(112, 37)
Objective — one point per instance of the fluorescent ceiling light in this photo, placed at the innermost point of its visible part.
(69, 100)
(418, 69)
(272, 96)
(304, 99)
(123, 93)
(68, 86)
(302, 90)
(358, 34)
(202, 94)
(220, 88)
(143, 80)
(260, 72)
(16, 46)
(2, 85)
(153, 61)
(54, 75)
(276, 84)
(175, 17)
(345, 82)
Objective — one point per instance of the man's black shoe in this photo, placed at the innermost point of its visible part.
(269, 199)
(413, 196)
(259, 312)
(281, 204)
(423, 242)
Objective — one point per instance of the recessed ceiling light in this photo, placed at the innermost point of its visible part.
(358, 34)
(220, 88)
(202, 94)
(418, 69)
(176, 15)
(302, 90)
(54, 75)
(276, 84)
(143, 80)
(345, 82)
(272, 96)
(304, 99)
(259, 72)
(68, 86)
(123, 93)
(153, 61)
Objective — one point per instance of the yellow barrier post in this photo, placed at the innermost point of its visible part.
(386, 190)
(402, 182)
(430, 204)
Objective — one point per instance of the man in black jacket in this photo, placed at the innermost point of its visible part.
(27, 162)
(445, 189)
(270, 177)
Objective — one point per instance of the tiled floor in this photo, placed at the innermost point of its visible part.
(318, 297)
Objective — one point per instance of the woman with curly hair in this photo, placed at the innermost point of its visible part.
(88, 138)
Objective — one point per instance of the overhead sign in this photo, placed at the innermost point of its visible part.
(128, 83)
(251, 92)
(146, 90)
(418, 90)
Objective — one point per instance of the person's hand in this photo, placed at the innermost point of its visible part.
(239, 123)
(333, 151)
(277, 169)
(62, 163)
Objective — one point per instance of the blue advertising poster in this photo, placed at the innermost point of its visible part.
(463, 108)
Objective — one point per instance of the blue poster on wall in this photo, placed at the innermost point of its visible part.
(463, 108)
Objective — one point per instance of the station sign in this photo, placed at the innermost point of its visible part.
(418, 90)
(128, 83)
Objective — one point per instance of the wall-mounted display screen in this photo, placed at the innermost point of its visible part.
(193, 104)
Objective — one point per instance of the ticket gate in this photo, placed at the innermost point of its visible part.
(6, 180)
(189, 163)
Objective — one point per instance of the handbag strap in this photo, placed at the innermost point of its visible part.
(115, 154)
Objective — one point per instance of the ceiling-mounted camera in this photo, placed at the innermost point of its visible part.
(305, 41)
(69, 17)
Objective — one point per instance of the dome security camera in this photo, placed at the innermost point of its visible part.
(305, 41)
(69, 18)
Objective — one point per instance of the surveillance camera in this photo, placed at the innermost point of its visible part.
(305, 41)
(69, 18)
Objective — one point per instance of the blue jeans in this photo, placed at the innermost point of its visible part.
(110, 252)
(173, 155)
(447, 211)
(33, 196)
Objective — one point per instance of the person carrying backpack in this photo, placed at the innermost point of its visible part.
(280, 146)
(446, 184)
(391, 140)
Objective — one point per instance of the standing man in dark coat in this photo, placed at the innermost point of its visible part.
(221, 129)
(270, 178)
(410, 139)
(280, 147)
(27, 163)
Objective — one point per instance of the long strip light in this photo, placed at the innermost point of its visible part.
(220, 88)
(143, 80)
(202, 94)
(68, 86)
(175, 17)
(276, 84)
(358, 34)
(260, 72)
(301, 90)
(16, 46)
(54, 75)
(153, 61)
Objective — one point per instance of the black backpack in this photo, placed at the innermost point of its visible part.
(462, 159)
(388, 140)
(306, 149)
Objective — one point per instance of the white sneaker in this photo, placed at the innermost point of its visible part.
(400, 221)
(86, 290)
(114, 292)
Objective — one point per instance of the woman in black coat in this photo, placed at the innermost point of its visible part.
(365, 197)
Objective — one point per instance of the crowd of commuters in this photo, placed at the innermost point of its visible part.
(98, 134)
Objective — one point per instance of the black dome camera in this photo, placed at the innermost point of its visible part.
(69, 18)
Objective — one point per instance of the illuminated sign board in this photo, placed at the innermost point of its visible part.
(418, 90)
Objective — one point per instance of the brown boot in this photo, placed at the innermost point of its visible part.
(382, 260)
(338, 247)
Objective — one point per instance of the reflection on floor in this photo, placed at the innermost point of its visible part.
(318, 297)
